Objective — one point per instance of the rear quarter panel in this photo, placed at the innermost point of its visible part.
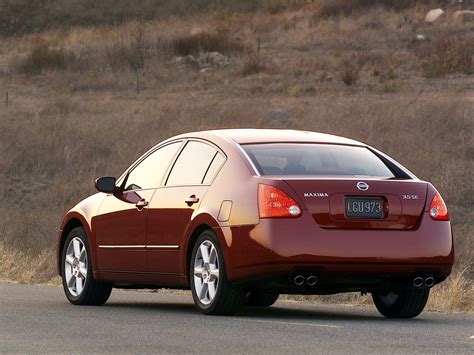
(236, 183)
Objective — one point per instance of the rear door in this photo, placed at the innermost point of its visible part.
(172, 207)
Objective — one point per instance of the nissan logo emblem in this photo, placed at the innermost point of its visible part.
(362, 186)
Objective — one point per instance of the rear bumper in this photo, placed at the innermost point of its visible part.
(282, 246)
(316, 282)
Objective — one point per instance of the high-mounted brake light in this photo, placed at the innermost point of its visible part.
(438, 209)
(273, 202)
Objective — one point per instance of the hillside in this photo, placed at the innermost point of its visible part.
(73, 109)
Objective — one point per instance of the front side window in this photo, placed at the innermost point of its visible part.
(192, 164)
(150, 171)
(316, 159)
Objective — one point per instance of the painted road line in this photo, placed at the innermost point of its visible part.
(290, 323)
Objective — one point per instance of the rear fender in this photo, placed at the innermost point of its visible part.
(200, 223)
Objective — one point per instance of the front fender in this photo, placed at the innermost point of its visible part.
(80, 215)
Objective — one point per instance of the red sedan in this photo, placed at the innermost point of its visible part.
(242, 216)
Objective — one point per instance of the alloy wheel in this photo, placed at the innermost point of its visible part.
(75, 266)
(206, 272)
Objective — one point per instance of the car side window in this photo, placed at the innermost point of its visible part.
(150, 171)
(216, 164)
(192, 164)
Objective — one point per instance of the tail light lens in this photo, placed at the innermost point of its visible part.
(438, 209)
(273, 202)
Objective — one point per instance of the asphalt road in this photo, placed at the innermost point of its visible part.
(39, 319)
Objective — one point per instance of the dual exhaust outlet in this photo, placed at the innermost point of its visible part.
(312, 280)
(419, 281)
(300, 280)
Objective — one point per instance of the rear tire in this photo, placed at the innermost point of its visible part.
(213, 294)
(401, 304)
(76, 270)
(261, 298)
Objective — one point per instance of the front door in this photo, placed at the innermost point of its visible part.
(120, 225)
(120, 232)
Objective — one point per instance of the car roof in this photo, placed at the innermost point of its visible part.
(253, 135)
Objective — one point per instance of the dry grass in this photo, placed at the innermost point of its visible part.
(206, 42)
(447, 55)
(25, 16)
(129, 45)
(74, 114)
(456, 294)
(253, 64)
(23, 267)
(342, 8)
(350, 73)
(337, 8)
(46, 56)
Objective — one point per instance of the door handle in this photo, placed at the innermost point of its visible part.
(142, 203)
(191, 200)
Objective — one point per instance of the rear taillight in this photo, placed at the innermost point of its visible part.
(438, 209)
(273, 202)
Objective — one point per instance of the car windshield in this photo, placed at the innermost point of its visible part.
(316, 159)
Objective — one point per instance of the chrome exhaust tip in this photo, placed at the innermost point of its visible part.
(311, 280)
(429, 281)
(418, 281)
(299, 280)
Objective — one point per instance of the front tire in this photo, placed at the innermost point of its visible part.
(401, 304)
(76, 270)
(212, 292)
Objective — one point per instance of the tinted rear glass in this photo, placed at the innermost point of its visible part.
(316, 159)
(192, 164)
(216, 164)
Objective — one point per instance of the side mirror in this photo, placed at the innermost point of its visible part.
(106, 184)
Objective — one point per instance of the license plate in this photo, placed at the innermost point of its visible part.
(364, 207)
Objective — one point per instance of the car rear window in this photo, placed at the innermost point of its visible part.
(316, 159)
(192, 164)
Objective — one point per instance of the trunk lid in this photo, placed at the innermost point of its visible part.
(402, 201)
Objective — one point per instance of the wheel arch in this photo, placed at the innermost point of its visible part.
(199, 225)
(190, 245)
(70, 222)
